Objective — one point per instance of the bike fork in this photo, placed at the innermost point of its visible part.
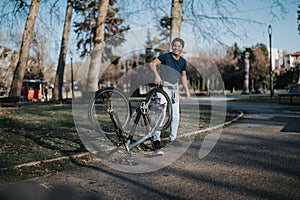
(116, 121)
(128, 145)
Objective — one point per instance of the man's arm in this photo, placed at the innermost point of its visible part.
(153, 64)
(185, 85)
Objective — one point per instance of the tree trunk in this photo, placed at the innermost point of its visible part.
(176, 18)
(94, 68)
(59, 76)
(19, 72)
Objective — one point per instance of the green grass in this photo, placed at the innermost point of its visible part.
(36, 132)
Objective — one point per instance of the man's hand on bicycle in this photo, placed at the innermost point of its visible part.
(158, 81)
(188, 94)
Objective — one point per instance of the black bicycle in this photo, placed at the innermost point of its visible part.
(110, 113)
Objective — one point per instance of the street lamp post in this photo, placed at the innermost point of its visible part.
(271, 72)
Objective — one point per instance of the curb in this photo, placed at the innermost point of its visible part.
(212, 128)
(30, 164)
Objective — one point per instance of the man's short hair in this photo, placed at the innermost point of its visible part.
(178, 40)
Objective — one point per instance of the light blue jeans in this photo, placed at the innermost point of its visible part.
(174, 97)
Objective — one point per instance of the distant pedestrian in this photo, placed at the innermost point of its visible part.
(46, 93)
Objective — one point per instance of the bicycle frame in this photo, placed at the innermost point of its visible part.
(142, 111)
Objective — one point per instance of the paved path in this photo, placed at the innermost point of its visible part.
(257, 157)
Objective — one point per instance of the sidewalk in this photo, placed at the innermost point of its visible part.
(257, 157)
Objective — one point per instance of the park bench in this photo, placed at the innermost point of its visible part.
(293, 92)
(9, 101)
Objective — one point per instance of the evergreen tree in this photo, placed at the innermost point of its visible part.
(86, 29)
(230, 67)
(165, 33)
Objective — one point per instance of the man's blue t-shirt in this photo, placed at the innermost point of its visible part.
(170, 68)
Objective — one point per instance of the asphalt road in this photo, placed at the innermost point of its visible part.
(256, 157)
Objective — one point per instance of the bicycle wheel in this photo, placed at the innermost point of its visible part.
(160, 109)
(109, 110)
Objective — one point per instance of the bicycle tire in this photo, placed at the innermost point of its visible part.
(106, 99)
(155, 107)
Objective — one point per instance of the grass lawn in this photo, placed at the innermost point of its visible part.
(39, 132)
(34, 133)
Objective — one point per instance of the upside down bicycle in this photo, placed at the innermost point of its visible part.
(110, 113)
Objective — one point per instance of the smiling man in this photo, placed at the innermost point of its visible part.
(172, 67)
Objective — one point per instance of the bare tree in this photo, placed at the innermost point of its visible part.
(94, 68)
(24, 51)
(8, 62)
(38, 46)
(176, 18)
(59, 76)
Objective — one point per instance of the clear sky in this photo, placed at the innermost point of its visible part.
(284, 36)
(284, 28)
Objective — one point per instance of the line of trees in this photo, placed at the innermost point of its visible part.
(232, 66)
(100, 22)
